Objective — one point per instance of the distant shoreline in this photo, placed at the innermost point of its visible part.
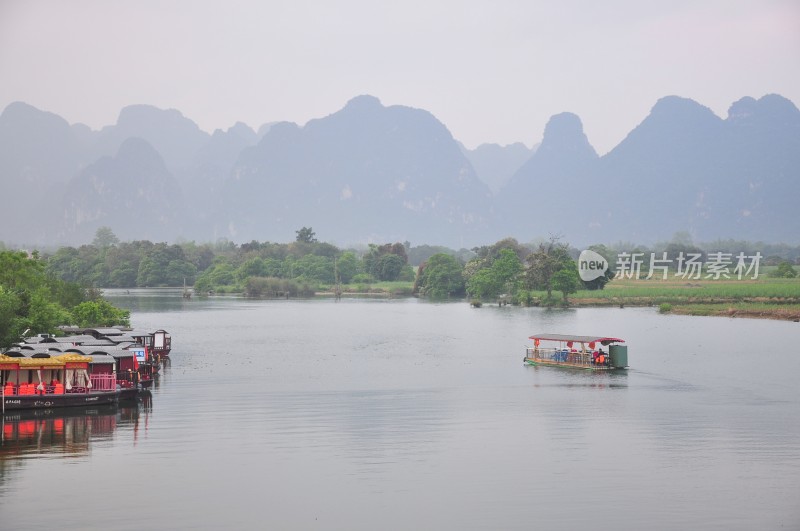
(749, 310)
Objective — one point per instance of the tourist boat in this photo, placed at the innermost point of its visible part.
(121, 363)
(141, 352)
(48, 379)
(158, 343)
(578, 352)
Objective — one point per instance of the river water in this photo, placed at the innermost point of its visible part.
(406, 414)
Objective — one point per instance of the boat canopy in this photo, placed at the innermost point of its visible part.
(8, 361)
(577, 339)
(55, 362)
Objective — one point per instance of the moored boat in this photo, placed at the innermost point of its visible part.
(52, 379)
(158, 343)
(578, 352)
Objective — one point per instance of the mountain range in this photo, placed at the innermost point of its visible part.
(372, 173)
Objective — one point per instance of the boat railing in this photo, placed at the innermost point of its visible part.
(559, 355)
(100, 382)
(103, 382)
(25, 388)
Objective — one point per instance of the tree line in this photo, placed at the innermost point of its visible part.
(509, 270)
(223, 266)
(33, 301)
(299, 268)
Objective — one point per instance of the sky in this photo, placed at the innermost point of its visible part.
(491, 71)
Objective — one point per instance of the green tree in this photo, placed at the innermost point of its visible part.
(440, 276)
(123, 262)
(484, 284)
(499, 278)
(32, 298)
(566, 280)
(273, 267)
(389, 267)
(382, 268)
(784, 270)
(507, 267)
(306, 235)
(253, 267)
(100, 313)
(178, 272)
(314, 268)
(347, 267)
(12, 323)
(165, 265)
(104, 237)
(223, 274)
(545, 262)
(45, 315)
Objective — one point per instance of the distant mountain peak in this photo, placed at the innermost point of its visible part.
(770, 106)
(138, 112)
(20, 108)
(363, 102)
(138, 151)
(565, 131)
(678, 108)
(19, 112)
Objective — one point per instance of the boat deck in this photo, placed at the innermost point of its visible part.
(575, 359)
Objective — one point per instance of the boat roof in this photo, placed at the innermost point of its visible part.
(577, 339)
(98, 358)
(103, 331)
(75, 339)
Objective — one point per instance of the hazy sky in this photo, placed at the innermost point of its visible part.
(491, 71)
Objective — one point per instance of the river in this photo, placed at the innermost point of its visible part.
(406, 414)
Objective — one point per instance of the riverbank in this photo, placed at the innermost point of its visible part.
(764, 298)
(720, 308)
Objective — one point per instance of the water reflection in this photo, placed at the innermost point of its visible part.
(68, 432)
(150, 300)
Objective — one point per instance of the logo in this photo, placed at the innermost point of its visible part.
(591, 265)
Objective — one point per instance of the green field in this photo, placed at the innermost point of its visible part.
(773, 289)
(774, 298)
(764, 297)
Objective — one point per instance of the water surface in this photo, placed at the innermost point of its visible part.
(405, 414)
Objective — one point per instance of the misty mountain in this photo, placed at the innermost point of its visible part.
(39, 152)
(681, 168)
(133, 192)
(364, 173)
(371, 173)
(177, 138)
(203, 180)
(558, 181)
(763, 162)
(663, 173)
(495, 164)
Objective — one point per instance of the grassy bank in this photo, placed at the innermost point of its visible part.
(763, 297)
(787, 312)
(397, 288)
